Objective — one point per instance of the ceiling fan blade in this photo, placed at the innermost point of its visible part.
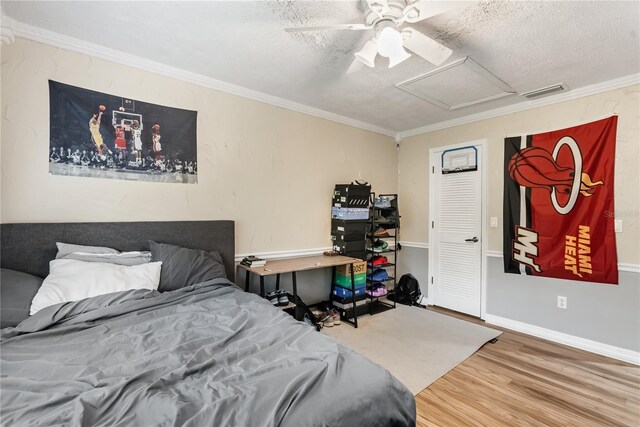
(329, 27)
(355, 66)
(420, 10)
(425, 47)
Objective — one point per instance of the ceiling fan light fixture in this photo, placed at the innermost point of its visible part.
(398, 58)
(367, 55)
(390, 42)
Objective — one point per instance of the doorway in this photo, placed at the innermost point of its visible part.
(457, 227)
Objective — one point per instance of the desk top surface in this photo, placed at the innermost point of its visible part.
(299, 264)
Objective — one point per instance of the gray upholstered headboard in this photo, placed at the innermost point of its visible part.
(30, 247)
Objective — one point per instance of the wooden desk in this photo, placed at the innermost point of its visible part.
(293, 265)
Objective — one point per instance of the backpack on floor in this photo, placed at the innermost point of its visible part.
(408, 291)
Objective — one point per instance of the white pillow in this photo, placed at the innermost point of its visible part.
(122, 258)
(67, 248)
(73, 280)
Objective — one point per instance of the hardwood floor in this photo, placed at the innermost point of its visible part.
(521, 380)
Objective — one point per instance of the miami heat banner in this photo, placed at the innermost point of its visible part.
(94, 134)
(558, 199)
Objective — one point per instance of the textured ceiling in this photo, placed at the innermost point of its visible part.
(528, 44)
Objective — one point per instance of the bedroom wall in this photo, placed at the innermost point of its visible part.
(603, 313)
(270, 169)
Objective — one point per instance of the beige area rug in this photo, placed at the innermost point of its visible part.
(417, 346)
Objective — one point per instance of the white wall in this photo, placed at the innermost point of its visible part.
(271, 170)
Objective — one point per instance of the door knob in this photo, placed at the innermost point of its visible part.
(474, 240)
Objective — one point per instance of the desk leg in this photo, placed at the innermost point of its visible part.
(333, 284)
(295, 285)
(246, 281)
(353, 298)
(262, 286)
(278, 282)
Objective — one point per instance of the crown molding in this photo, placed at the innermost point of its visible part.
(7, 35)
(12, 28)
(41, 35)
(594, 89)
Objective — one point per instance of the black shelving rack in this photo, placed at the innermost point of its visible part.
(376, 304)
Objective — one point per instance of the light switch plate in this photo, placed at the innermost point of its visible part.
(494, 222)
(618, 225)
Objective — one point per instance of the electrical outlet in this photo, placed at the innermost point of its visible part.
(617, 223)
(562, 302)
(494, 222)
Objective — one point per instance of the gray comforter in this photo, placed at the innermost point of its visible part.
(207, 355)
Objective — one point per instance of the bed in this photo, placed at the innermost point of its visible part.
(204, 354)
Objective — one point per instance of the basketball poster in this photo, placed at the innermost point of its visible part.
(558, 203)
(97, 135)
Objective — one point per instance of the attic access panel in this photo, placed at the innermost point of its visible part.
(459, 84)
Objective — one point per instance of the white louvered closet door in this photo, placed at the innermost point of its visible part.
(457, 276)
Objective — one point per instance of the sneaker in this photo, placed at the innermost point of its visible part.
(378, 275)
(377, 290)
(381, 291)
(382, 202)
(327, 319)
(283, 298)
(378, 260)
(381, 232)
(335, 316)
(380, 246)
(272, 297)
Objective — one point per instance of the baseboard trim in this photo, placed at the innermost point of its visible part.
(285, 254)
(420, 245)
(614, 352)
(633, 268)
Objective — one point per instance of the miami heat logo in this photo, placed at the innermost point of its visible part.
(535, 167)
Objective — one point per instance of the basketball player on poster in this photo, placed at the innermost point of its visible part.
(136, 133)
(94, 129)
(157, 148)
(120, 142)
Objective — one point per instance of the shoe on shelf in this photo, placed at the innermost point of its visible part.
(272, 297)
(378, 260)
(381, 232)
(283, 298)
(382, 202)
(377, 290)
(378, 275)
(379, 246)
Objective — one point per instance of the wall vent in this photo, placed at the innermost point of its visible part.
(545, 91)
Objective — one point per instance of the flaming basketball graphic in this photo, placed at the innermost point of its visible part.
(535, 167)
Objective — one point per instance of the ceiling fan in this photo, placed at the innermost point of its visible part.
(386, 17)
